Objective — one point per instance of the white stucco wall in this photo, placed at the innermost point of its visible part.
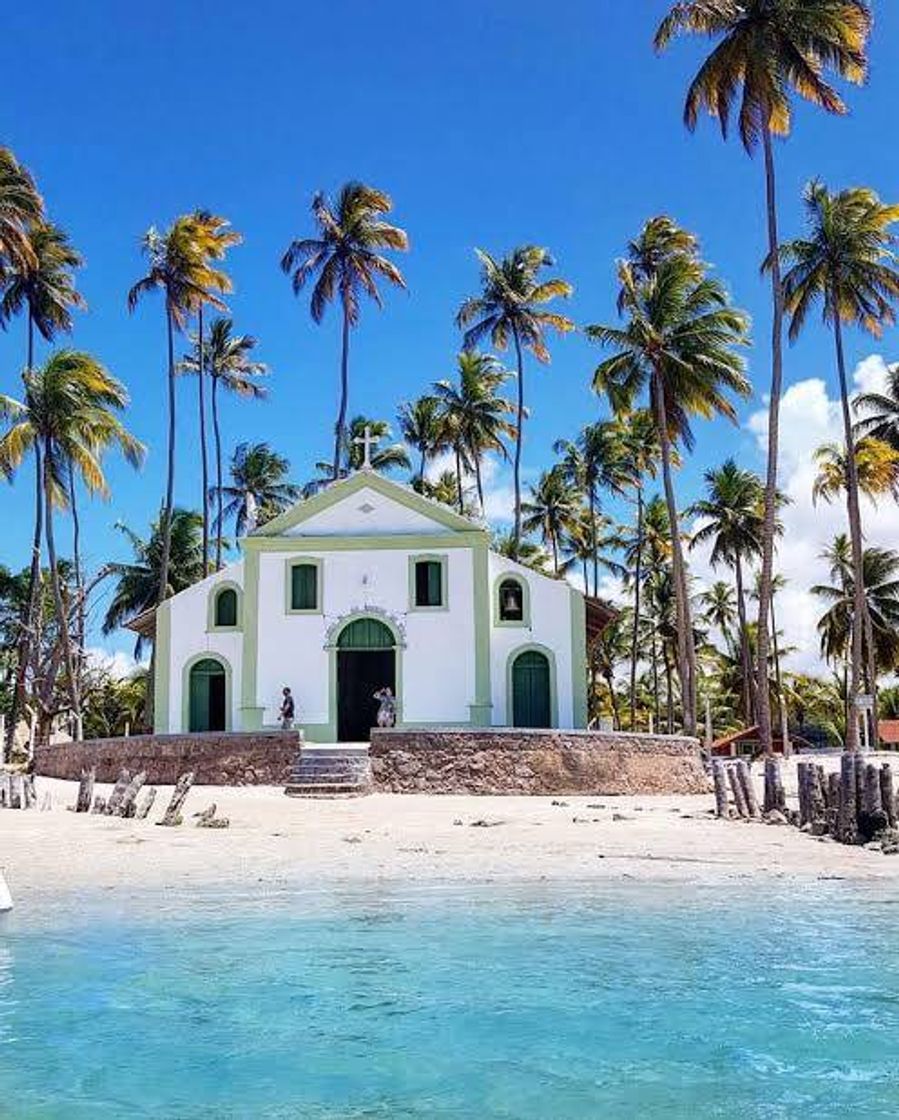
(190, 639)
(550, 626)
(437, 666)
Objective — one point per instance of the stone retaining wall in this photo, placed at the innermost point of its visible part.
(506, 760)
(224, 759)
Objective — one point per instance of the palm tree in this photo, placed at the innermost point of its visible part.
(213, 239)
(137, 590)
(679, 345)
(445, 489)
(475, 416)
(229, 364)
(732, 516)
(421, 426)
(347, 259)
(180, 268)
(386, 456)
(876, 468)
(880, 575)
(593, 462)
(765, 50)
(551, 511)
(609, 651)
(40, 283)
(259, 489)
(69, 411)
(511, 308)
(21, 206)
(525, 552)
(719, 608)
(846, 264)
(588, 540)
(880, 411)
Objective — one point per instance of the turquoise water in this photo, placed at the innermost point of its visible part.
(636, 1002)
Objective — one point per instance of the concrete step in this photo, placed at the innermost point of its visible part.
(331, 770)
(327, 789)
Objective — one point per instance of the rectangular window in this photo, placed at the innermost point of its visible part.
(428, 583)
(304, 587)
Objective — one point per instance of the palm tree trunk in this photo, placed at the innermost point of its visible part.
(519, 439)
(204, 454)
(79, 579)
(655, 678)
(669, 690)
(460, 498)
(479, 481)
(635, 636)
(781, 699)
(340, 427)
(62, 618)
(594, 529)
(424, 463)
(29, 618)
(745, 667)
(613, 699)
(555, 552)
(859, 609)
(686, 652)
(769, 524)
(170, 477)
(217, 433)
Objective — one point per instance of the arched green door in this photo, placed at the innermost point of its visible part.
(366, 663)
(531, 693)
(207, 696)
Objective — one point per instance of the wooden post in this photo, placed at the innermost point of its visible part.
(118, 793)
(29, 796)
(745, 779)
(721, 806)
(887, 796)
(99, 809)
(142, 811)
(739, 799)
(818, 805)
(847, 819)
(85, 791)
(16, 793)
(172, 815)
(5, 789)
(126, 805)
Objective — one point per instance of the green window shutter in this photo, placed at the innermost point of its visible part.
(304, 587)
(226, 607)
(429, 583)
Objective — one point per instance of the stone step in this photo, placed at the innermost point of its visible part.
(326, 789)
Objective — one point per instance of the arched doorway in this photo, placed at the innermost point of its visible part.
(531, 690)
(208, 696)
(366, 662)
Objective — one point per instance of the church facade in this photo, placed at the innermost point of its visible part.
(363, 587)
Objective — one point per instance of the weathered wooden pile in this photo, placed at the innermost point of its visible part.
(17, 790)
(129, 799)
(855, 805)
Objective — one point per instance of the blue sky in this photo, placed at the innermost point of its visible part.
(489, 124)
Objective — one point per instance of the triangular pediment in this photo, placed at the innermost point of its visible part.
(367, 504)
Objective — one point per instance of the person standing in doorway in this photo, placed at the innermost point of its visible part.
(288, 710)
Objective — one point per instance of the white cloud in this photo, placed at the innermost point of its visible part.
(118, 664)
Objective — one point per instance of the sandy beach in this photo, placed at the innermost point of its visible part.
(275, 841)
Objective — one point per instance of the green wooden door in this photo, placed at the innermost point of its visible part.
(531, 694)
(207, 696)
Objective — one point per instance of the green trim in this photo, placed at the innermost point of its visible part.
(481, 709)
(363, 480)
(534, 647)
(251, 714)
(162, 667)
(185, 687)
(217, 588)
(579, 707)
(411, 542)
(524, 623)
(436, 558)
(289, 564)
(332, 647)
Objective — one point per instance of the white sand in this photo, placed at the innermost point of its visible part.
(275, 841)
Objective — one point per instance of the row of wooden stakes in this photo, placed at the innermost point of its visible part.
(17, 791)
(853, 805)
(126, 800)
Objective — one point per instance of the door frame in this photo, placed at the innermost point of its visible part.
(532, 647)
(207, 655)
(399, 645)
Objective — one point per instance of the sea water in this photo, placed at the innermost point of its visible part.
(634, 1001)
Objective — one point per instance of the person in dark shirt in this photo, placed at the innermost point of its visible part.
(287, 710)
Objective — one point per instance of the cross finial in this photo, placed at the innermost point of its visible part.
(367, 441)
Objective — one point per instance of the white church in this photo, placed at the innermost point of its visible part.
(364, 586)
